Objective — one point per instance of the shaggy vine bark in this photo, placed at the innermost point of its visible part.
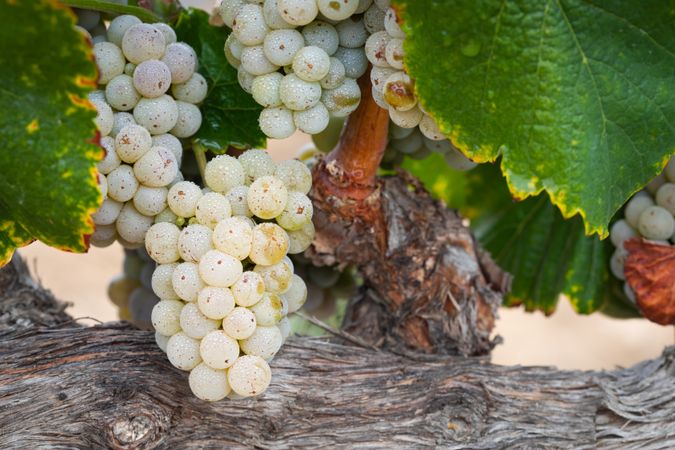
(63, 386)
(428, 285)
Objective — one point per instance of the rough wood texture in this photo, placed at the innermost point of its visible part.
(110, 387)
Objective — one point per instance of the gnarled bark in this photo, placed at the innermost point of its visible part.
(110, 387)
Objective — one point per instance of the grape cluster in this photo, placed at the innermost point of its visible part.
(649, 214)
(141, 124)
(224, 277)
(132, 291)
(300, 58)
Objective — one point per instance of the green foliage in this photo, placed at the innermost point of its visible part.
(116, 8)
(575, 95)
(230, 115)
(546, 254)
(48, 161)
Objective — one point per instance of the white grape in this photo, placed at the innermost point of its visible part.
(617, 263)
(229, 9)
(193, 90)
(342, 100)
(132, 225)
(300, 240)
(296, 295)
(376, 49)
(104, 117)
(232, 50)
(298, 12)
(157, 115)
(166, 216)
(233, 236)
(224, 173)
(323, 35)
(186, 281)
(96, 96)
(267, 197)
(442, 147)
(121, 94)
(635, 207)
(336, 74)
(354, 60)
(669, 170)
(118, 26)
(183, 198)
(620, 232)
(337, 10)
(219, 269)
(250, 375)
(121, 120)
(110, 160)
(392, 26)
(245, 79)
(129, 69)
(373, 19)
(218, 350)
(183, 351)
(208, 384)
(194, 241)
(378, 76)
(295, 175)
(108, 212)
(161, 341)
(265, 89)
(277, 123)
(352, 32)
(269, 310)
(313, 120)
(122, 184)
(665, 197)
(132, 142)
(656, 223)
(277, 277)
(406, 119)
(249, 289)
(399, 93)
(264, 342)
(240, 323)
(280, 46)
(165, 317)
(269, 244)
(152, 78)
(212, 208)
(311, 63)
(150, 201)
(142, 42)
(195, 324)
(157, 168)
(109, 60)
(395, 53)
(256, 163)
(409, 144)
(171, 142)
(430, 130)
(378, 97)
(161, 282)
(161, 243)
(297, 212)
(298, 94)
(237, 198)
(167, 31)
(215, 302)
(249, 25)
(273, 17)
(254, 61)
(189, 120)
(456, 159)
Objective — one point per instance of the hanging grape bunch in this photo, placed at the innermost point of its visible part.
(146, 104)
(132, 291)
(224, 277)
(649, 214)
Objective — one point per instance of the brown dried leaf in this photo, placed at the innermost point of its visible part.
(650, 272)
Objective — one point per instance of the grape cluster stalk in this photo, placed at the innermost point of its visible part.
(650, 214)
(224, 277)
(147, 103)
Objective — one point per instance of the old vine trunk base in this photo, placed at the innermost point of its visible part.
(63, 386)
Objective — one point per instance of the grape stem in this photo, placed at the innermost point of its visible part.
(200, 156)
(109, 7)
(362, 144)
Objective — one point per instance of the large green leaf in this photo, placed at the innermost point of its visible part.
(576, 95)
(546, 254)
(230, 115)
(47, 130)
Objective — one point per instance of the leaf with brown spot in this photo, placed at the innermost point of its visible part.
(650, 272)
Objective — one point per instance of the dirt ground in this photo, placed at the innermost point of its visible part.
(565, 339)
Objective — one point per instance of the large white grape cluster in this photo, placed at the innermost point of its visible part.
(300, 58)
(132, 291)
(224, 277)
(147, 102)
(649, 214)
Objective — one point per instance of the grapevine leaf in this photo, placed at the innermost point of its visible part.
(48, 163)
(546, 254)
(575, 95)
(230, 115)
